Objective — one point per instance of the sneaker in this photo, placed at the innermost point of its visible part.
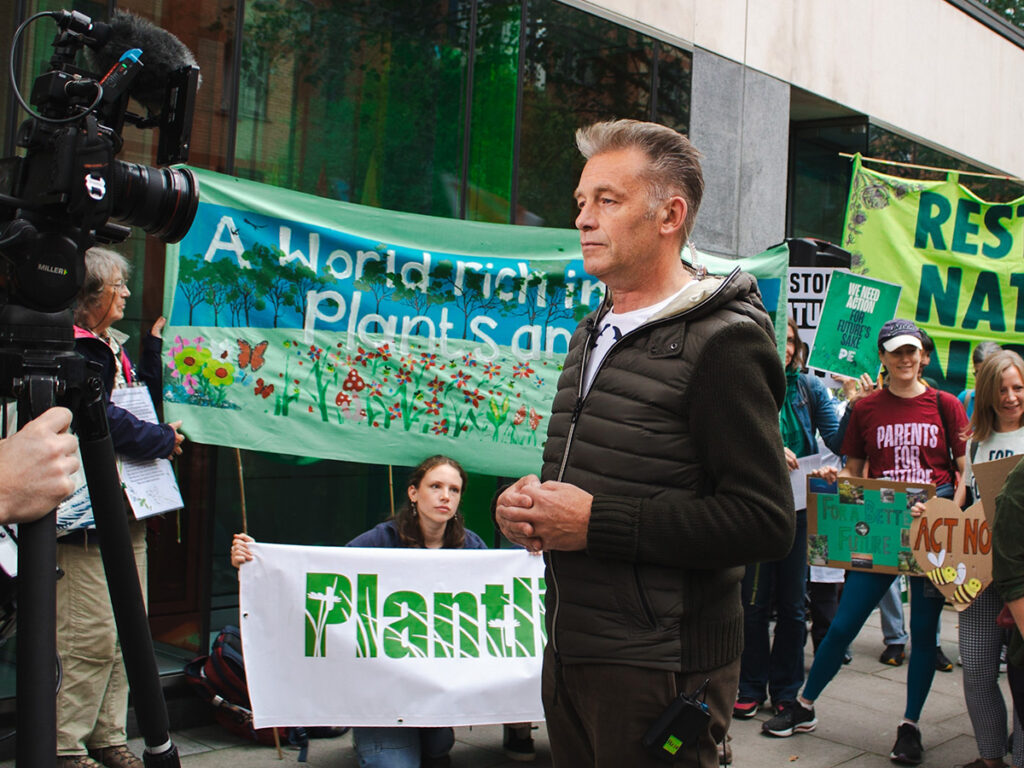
(116, 757)
(77, 761)
(979, 762)
(745, 708)
(907, 749)
(793, 718)
(942, 663)
(893, 655)
(516, 747)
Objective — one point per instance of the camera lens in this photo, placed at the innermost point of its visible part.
(163, 201)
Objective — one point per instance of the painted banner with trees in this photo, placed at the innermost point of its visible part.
(309, 326)
(958, 258)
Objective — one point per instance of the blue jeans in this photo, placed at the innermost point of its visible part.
(890, 612)
(400, 747)
(776, 667)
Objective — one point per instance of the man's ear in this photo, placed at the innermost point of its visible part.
(672, 215)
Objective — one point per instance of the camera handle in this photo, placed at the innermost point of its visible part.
(62, 377)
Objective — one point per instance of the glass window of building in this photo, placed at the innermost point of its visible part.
(579, 69)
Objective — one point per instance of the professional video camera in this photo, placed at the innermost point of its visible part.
(61, 197)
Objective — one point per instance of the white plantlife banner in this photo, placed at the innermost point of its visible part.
(392, 637)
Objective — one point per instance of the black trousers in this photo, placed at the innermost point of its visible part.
(597, 714)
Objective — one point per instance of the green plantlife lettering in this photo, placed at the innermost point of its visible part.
(407, 624)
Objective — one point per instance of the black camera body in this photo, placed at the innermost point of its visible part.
(69, 192)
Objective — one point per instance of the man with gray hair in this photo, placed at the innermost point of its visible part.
(664, 472)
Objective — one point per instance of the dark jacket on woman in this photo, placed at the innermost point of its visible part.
(678, 440)
(386, 535)
(131, 436)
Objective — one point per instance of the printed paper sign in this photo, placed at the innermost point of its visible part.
(856, 308)
(149, 484)
(862, 524)
(392, 637)
(954, 550)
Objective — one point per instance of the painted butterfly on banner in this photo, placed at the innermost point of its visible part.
(262, 389)
(251, 355)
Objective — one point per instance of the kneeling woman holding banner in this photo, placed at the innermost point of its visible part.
(430, 520)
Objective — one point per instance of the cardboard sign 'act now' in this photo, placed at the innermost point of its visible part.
(953, 548)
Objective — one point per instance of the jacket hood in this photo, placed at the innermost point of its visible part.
(738, 289)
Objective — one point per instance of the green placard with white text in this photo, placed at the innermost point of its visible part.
(856, 308)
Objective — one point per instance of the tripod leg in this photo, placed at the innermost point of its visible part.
(37, 614)
(123, 582)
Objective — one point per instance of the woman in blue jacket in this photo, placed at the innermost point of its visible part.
(430, 520)
(777, 668)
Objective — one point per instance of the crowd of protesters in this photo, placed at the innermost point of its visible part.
(863, 408)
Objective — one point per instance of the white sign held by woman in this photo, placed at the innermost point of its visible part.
(392, 637)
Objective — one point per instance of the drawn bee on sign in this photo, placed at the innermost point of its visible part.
(940, 574)
(967, 591)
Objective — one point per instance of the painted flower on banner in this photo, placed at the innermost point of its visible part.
(198, 377)
(440, 427)
(534, 419)
(219, 373)
(191, 359)
(522, 370)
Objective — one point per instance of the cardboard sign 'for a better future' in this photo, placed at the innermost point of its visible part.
(862, 524)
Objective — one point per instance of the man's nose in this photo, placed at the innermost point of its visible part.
(584, 219)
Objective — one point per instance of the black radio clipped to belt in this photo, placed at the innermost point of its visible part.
(680, 726)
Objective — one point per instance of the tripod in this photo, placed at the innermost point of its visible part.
(39, 367)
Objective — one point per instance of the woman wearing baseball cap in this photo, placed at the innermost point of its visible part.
(873, 448)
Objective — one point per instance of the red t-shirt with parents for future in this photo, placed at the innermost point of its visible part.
(905, 438)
